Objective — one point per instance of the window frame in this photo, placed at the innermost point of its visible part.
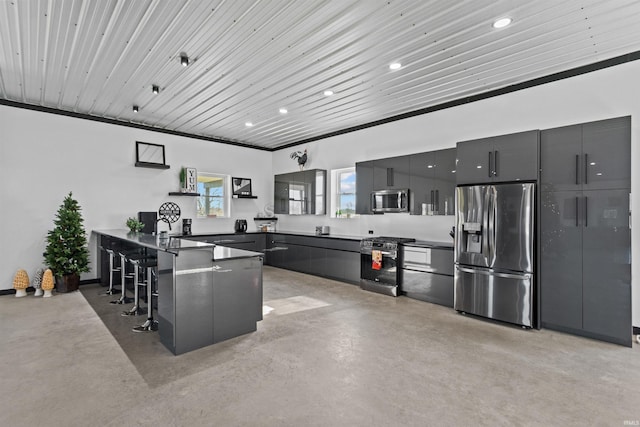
(226, 196)
(336, 193)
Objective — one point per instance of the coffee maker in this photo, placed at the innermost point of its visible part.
(186, 226)
(240, 225)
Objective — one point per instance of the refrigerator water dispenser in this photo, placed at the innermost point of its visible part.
(472, 233)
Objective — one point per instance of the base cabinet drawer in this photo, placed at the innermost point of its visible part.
(429, 287)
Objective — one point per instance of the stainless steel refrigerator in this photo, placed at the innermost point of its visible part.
(494, 251)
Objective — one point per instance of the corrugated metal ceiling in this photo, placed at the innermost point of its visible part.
(251, 58)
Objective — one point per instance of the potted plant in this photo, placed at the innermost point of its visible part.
(66, 253)
(134, 225)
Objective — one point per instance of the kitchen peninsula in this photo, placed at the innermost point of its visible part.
(206, 293)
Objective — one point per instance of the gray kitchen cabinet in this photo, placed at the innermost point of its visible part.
(281, 194)
(428, 274)
(321, 256)
(585, 253)
(391, 173)
(364, 187)
(586, 156)
(503, 158)
(433, 182)
(248, 241)
(561, 259)
(300, 193)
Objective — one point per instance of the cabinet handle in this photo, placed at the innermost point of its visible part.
(577, 211)
(489, 169)
(389, 177)
(586, 214)
(431, 201)
(495, 163)
(577, 168)
(586, 168)
(437, 207)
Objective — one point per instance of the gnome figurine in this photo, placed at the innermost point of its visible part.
(21, 283)
(37, 282)
(47, 283)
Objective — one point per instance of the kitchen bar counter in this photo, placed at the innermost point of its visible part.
(431, 244)
(206, 293)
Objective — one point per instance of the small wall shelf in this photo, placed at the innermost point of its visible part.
(179, 193)
(240, 196)
(151, 165)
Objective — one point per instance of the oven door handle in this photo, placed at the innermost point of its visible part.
(382, 252)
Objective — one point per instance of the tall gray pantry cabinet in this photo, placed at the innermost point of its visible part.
(585, 236)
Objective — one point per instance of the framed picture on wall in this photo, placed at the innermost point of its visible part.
(241, 186)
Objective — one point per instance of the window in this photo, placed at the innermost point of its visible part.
(213, 201)
(344, 197)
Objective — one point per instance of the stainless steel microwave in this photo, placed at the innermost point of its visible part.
(390, 201)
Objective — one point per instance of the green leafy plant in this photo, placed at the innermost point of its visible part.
(134, 225)
(66, 252)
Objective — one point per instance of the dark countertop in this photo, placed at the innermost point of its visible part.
(417, 243)
(177, 243)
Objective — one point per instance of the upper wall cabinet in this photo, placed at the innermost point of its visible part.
(433, 182)
(391, 173)
(502, 158)
(430, 178)
(590, 156)
(301, 193)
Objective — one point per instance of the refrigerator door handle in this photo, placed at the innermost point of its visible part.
(525, 276)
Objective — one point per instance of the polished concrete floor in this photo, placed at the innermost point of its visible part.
(326, 354)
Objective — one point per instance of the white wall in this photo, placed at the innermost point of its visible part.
(44, 156)
(607, 93)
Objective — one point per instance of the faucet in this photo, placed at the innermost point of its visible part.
(165, 220)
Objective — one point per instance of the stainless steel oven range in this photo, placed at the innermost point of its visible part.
(381, 264)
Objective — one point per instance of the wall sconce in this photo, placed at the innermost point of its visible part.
(184, 60)
(135, 108)
(155, 89)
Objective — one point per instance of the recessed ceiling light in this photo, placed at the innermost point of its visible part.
(184, 60)
(283, 111)
(395, 66)
(328, 92)
(248, 124)
(135, 108)
(502, 22)
(155, 89)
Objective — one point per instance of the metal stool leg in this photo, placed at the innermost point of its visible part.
(123, 276)
(150, 324)
(135, 310)
(112, 269)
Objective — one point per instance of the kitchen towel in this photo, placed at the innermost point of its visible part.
(376, 260)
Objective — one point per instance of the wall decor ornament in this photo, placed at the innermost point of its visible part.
(47, 283)
(36, 283)
(21, 283)
(301, 157)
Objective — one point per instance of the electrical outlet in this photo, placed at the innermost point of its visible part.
(370, 231)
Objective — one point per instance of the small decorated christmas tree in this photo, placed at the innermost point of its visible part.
(66, 252)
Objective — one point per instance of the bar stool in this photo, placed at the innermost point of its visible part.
(123, 277)
(148, 263)
(113, 268)
(150, 324)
